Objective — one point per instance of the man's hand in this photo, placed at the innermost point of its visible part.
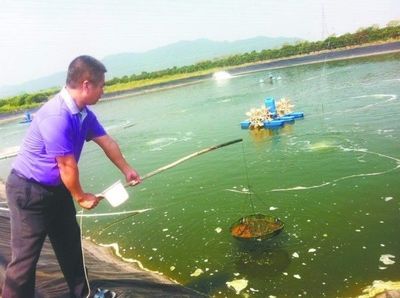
(132, 177)
(88, 201)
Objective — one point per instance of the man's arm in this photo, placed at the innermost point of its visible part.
(113, 152)
(70, 177)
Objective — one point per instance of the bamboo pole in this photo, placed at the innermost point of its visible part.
(162, 169)
(181, 160)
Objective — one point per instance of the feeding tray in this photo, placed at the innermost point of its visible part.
(256, 227)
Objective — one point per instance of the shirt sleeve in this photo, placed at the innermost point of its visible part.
(57, 135)
(95, 129)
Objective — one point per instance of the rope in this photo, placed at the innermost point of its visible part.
(83, 254)
(247, 178)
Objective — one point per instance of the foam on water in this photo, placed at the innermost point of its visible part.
(160, 143)
(238, 285)
(221, 75)
(225, 100)
(9, 152)
(116, 249)
(81, 214)
(322, 146)
(344, 149)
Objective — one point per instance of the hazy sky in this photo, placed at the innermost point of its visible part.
(40, 37)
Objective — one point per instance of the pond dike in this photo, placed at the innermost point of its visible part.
(318, 57)
(104, 269)
(324, 56)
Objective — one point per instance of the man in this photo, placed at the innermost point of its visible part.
(45, 178)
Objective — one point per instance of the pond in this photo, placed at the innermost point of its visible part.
(332, 178)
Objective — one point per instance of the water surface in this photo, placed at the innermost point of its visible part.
(331, 177)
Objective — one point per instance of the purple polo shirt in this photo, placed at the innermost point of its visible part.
(58, 129)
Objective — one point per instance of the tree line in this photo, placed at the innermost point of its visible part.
(25, 101)
(362, 36)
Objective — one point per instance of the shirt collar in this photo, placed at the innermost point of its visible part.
(69, 101)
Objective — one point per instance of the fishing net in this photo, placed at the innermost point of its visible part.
(256, 227)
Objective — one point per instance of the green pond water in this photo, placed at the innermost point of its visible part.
(333, 178)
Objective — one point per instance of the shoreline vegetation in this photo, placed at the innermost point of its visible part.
(350, 45)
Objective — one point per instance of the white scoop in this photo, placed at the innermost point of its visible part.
(116, 194)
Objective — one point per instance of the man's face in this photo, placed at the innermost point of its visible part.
(94, 91)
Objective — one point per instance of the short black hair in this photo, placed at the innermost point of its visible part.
(84, 68)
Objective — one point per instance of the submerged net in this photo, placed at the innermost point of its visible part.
(256, 226)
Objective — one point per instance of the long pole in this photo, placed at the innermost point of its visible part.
(181, 160)
(171, 165)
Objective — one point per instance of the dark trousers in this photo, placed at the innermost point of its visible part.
(37, 211)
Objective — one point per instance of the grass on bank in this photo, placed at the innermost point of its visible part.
(148, 82)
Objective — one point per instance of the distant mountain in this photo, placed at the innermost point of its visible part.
(177, 54)
(53, 80)
(186, 53)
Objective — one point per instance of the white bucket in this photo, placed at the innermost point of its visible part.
(116, 194)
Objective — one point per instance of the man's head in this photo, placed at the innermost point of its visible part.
(86, 78)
